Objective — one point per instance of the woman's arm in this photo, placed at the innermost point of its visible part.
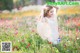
(38, 18)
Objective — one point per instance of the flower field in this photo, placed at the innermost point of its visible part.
(23, 34)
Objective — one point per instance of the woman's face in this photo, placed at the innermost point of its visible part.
(50, 13)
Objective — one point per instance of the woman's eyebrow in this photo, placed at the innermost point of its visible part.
(52, 11)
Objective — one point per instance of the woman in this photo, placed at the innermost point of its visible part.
(47, 26)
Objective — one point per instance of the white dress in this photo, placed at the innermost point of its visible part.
(47, 28)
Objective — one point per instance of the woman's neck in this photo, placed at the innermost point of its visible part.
(48, 16)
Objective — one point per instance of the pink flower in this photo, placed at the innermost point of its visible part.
(33, 30)
(23, 40)
(16, 32)
(28, 45)
(50, 42)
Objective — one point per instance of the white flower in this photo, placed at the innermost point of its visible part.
(15, 10)
(18, 40)
(77, 38)
(6, 11)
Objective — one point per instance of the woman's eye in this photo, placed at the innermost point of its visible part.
(51, 12)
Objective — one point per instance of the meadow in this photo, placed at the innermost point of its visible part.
(23, 35)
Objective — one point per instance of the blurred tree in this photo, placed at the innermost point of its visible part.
(52, 0)
(2, 4)
(6, 4)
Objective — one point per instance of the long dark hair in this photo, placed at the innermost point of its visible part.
(46, 11)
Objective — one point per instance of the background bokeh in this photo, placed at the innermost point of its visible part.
(18, 25)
